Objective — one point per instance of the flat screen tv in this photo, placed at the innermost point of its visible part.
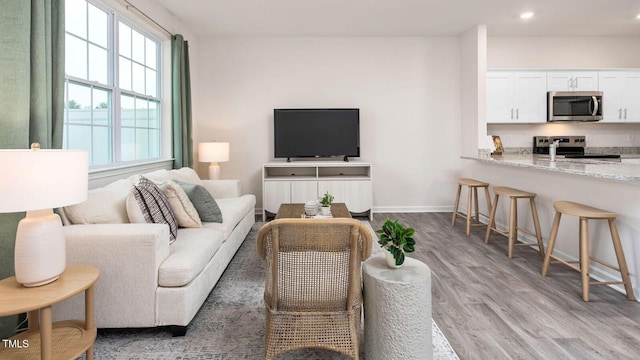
(316, 133)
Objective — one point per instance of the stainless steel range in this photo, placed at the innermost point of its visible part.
(569, 146)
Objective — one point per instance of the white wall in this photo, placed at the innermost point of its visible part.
(407, 89)
(565, 53)
(474, 85)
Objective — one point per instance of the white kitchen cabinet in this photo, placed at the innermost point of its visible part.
(572, 80)
(516, 96)
(621, 95)
(299, 182)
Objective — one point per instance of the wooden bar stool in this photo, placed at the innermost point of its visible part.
(473, 186)
(585, 213)
(514, 194)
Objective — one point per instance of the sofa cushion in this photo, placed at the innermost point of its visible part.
(183, 209)
(206, 205)
(233, 210)
(155, 206)
(105, 205)
(157, 176)
(185, 174)
(188, 256)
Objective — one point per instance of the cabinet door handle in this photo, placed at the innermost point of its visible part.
(625, 113)
(570, 81)
(512, 113)
(620, 113)
(517, 113)
(575, 86)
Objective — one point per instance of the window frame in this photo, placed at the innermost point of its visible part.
(114, 19)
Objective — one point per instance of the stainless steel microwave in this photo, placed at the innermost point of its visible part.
(574, 106)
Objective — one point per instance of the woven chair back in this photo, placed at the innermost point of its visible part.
(313, 264)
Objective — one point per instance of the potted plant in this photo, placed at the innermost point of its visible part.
(396, 239)
(325, 203)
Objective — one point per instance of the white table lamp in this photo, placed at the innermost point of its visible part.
(36, 181)
(213, 152)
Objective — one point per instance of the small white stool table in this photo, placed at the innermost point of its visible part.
(397, 310)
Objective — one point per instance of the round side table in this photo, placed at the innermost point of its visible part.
(397, 310)
(47, 340)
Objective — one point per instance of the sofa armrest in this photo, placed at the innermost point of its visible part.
(221, 189)
(128, 257)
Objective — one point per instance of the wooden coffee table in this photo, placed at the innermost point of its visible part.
(338, 210)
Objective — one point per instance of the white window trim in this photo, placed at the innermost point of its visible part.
(102, 175)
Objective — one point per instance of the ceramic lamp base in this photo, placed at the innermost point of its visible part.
(40, 253)
(214, 171)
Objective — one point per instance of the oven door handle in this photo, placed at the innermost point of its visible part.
(595, 105)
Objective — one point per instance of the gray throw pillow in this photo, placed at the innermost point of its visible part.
(202, 200)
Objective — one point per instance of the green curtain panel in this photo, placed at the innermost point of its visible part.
(181, 102)
(31, 95)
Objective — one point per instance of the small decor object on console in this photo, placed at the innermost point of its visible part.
(311, 207)
(497, 142)
(326, 201)
(396, 239)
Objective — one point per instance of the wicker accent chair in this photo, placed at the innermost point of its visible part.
(313, 289)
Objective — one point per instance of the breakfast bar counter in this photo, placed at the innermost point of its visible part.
(606, 184)
(626, 169)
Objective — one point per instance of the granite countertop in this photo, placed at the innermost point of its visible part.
(626, 169)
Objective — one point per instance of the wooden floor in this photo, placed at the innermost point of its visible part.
(492, 307)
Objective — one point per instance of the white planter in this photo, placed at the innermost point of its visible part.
(391, 261)
(326, 210)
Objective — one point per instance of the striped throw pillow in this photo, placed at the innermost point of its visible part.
(155, 206)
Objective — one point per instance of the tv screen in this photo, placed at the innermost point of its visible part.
(316, 132)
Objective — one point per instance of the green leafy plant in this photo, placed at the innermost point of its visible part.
(327, 199)
(397, 239)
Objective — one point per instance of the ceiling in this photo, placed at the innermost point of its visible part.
(210, 18)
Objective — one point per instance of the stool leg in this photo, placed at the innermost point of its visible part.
(584, 257)
(513, 226)
(488, 196)
(622, 263)
(455, 206)
(469, 199)
(552, 243)
(536, 224)
(492, 219)
(475, 197)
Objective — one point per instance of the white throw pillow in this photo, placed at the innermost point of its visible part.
(133, 210)
(183, 209)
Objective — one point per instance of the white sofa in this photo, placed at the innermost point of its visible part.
(144, 281)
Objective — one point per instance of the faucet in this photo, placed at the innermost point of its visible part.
(552, 150)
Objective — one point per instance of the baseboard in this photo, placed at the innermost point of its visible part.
(411, 209)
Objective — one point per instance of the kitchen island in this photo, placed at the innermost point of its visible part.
(626, 169)
(606, 184)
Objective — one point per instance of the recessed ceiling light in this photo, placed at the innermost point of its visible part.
(638, 17)
(526, 15)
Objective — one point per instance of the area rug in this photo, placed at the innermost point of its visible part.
(230, 324)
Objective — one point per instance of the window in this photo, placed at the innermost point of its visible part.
(112, 86)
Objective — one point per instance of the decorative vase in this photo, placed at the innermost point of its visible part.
(391, 261)
(326, 210)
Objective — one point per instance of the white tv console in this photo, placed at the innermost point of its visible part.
(300, 181)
